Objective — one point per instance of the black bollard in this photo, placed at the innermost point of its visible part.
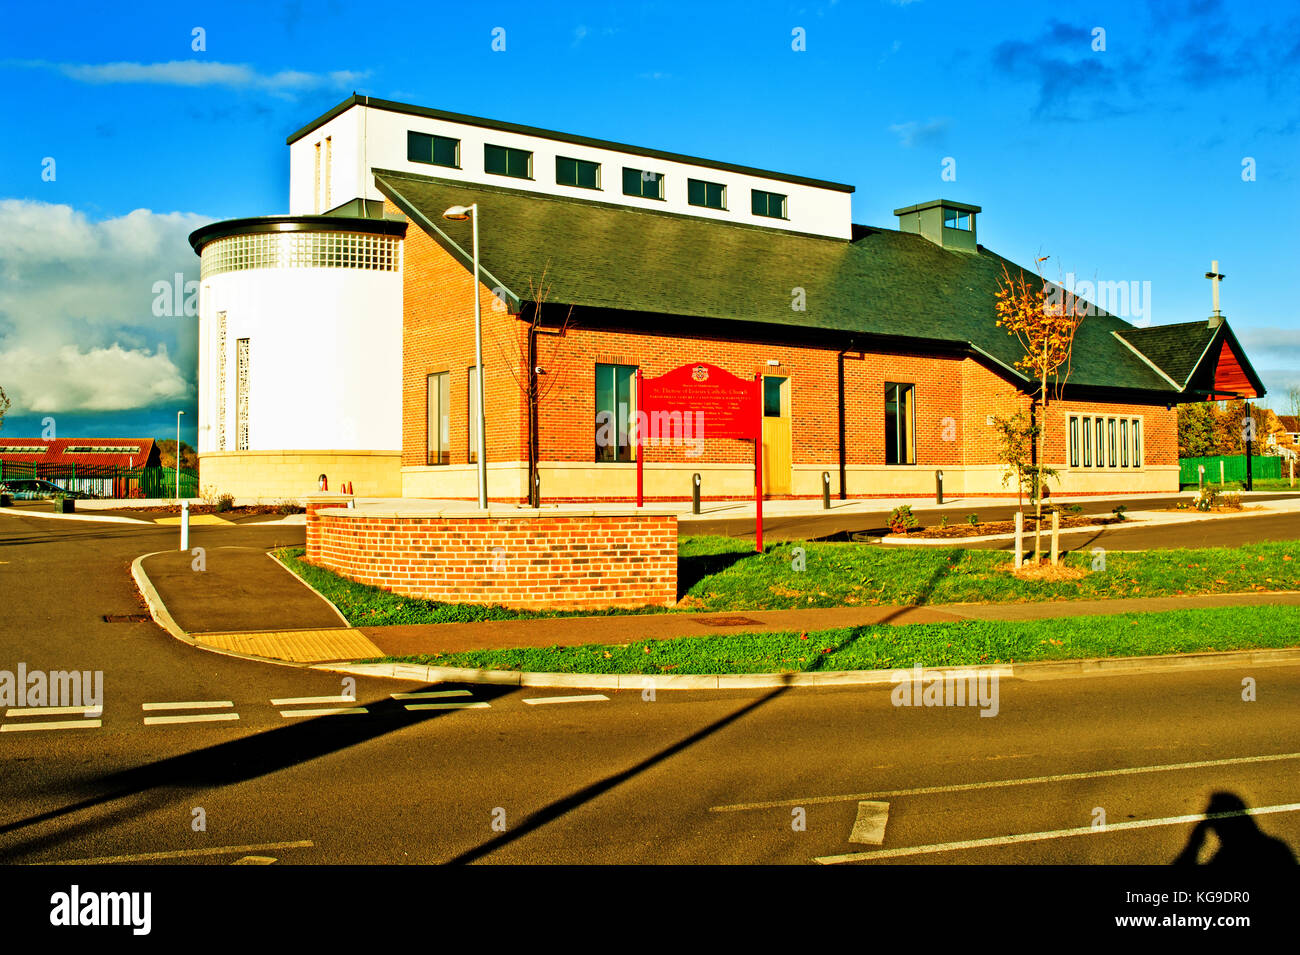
(695, 494)
(826, 491)
(938, 487)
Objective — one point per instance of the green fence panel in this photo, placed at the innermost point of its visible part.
(1234, 468)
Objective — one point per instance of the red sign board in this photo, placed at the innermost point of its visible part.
(724, 405)
(709, 401)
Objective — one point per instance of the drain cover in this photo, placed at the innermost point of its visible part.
(125, 617)
(724, 621)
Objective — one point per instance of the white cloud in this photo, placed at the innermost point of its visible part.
(200, 73)
(913, 133)
(77, 329)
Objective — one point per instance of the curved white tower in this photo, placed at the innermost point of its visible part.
(300, 355)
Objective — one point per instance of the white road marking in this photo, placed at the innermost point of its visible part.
(331, 711)
(447, 706)
(196, 705)
(60, 725)
(184, 853)
(255, 860)
(189, 718)
(297, 700)
(869, 826)
(55, 711)
(590, 698)
(997, 783)
(429, 694)
(1051, 834)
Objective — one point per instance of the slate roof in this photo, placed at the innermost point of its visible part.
(882, 283)
(1177, 349)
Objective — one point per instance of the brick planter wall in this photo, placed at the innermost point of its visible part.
(526, 560)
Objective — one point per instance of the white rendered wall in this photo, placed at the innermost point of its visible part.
(366, 137)
(325, 358)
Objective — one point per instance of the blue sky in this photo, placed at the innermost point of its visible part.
(1122, 164)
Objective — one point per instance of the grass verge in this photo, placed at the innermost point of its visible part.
(967, 643)
(724, 574)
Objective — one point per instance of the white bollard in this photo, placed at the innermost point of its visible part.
(1020, 538)
(1200, 477)
(185, 525)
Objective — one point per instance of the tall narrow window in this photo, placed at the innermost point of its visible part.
(900, 446)
(615, 407)
(1137, 442)
(329, 155)
(438, 423)
(1110, 433)
(1074, 441)
(471, 408)
(241, 394)
(1087, 442)
(221, 381)
(1123, 442)
(1101, 443)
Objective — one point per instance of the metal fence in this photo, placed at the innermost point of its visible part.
(1262, 468)
(107, 481)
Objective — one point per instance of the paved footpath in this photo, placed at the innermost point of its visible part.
(248, 603)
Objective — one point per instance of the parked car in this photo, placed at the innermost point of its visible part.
(34, 489)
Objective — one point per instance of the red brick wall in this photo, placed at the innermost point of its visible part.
(954, 395)
(549, 562)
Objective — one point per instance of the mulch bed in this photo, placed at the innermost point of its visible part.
(248, 510)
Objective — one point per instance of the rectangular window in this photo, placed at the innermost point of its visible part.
(1101, 445)
(438, 423)
(772, 388)
(956, 219)
(434, 150)
(900, 446)
(503, 161)
(615, 408)
(712, 195)
(1074, 441)
(1110, 429)
(770, 204)
(1137, 442)
(577, 172)
(1123, 442)
(639, 182)
(471, 412)
(1087, 442)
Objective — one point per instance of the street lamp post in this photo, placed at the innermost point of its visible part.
(460, 214)
(178, 455)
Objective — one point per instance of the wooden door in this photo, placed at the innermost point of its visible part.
(776, 435)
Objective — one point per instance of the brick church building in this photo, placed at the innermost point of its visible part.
(877, 347)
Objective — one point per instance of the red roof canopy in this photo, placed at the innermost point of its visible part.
(116, 452)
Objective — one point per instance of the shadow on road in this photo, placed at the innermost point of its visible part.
(1241, 842)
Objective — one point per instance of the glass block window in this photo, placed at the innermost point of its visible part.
(639, 182)
(434, 150)
(471, 411)
(711, 195)
(302, 250)
(241, 394)
(770, 204)
(577, 172)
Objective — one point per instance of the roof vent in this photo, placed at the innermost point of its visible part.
(948, 224)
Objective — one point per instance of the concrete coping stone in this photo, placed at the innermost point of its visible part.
(492, 513)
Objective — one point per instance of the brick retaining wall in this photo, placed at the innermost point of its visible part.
(560, 561)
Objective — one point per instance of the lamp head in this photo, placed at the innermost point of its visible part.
(457, 213)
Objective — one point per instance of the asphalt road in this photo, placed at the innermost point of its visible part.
(713, 777)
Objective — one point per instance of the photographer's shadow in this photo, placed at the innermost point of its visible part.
(1241, 841)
